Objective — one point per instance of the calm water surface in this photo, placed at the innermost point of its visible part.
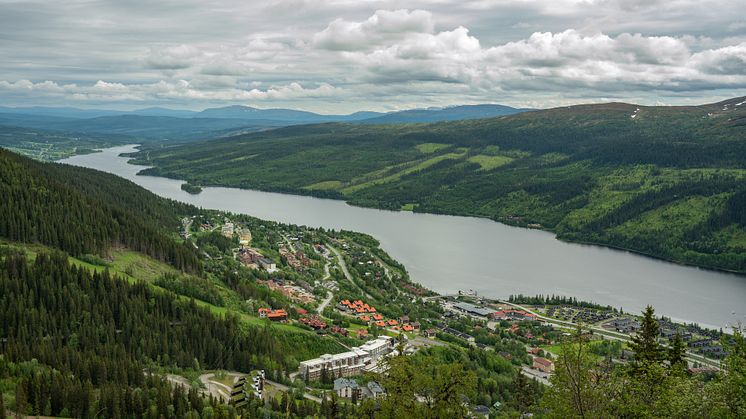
(448, 253)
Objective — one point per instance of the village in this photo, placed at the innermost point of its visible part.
(343, 286)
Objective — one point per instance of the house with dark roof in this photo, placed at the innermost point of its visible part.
(347, 388)
(375, 390)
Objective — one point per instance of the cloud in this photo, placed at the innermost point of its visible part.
(211, 89)
(382, 26)
(342, 55)
(730, 60)
(569, 58)
(172, 57)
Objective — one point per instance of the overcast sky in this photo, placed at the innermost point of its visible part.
(341, 56)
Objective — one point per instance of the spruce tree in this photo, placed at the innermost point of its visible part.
(676, 354)
(645, 342)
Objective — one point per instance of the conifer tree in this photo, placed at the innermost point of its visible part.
(645, 342)
(676, 354)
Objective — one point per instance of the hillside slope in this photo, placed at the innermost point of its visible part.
(665, 181)
(97, 294)
(83, 211)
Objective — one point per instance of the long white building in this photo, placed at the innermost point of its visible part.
(347, 363)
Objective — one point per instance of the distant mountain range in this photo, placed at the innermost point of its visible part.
(452, 113)
(167, 124)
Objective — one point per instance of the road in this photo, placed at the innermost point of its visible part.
(607, 333)
(343, 265)
(178, 380)
(217, 390)
(285, 389)
(327, 300)
(531, 373)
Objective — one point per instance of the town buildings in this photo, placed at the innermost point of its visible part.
(347, 363)
(513, 315)
(543, 365)
(244, 237)
(267, 264)
(274, 315)
(227, 230)
(474, 310)
(344, 387)
(339, 365)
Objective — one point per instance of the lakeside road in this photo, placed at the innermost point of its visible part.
(606, 333)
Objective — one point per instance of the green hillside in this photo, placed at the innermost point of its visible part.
(665, 181)
(83, 211)
(105, 308)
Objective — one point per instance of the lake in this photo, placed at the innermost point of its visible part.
(450, 253)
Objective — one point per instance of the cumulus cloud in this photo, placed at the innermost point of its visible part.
(349, 55)
(382, 26)
(568, 58)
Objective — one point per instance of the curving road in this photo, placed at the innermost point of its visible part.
(343, 265)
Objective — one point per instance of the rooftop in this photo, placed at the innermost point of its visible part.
(471, 308)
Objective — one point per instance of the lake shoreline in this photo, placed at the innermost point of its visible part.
(447, 252)
(312, 194)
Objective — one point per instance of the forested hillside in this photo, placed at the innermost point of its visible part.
(665, 181)
(91, 331)
(82, 211)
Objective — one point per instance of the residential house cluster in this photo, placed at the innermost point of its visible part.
(624, 324)
(339, 330)
(349, 363)
(357, 307)
(407, 325)
(296, 259)
(313, 321)
(370, 315)
(350, 389)
(227, 230)
(279, 315)
(249, 257)
(543, 365)
(293, 292)
(453, 332)
(575, 314)
(708, 347)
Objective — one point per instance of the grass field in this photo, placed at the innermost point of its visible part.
(490, 162)
(416, 167)
(429, 148)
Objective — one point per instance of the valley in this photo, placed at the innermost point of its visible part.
(667, 183)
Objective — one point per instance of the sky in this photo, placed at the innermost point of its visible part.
(342, 56)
